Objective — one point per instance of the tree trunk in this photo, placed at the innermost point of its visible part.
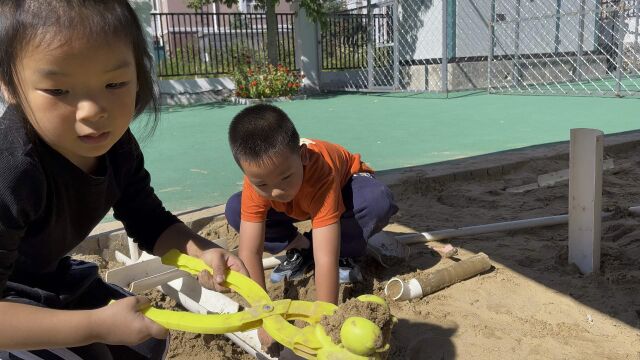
(272, 32)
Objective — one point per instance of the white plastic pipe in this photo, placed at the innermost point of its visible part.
(270, 263)
(134, 250)
(416, 238)
(482, 229)
(407, 290)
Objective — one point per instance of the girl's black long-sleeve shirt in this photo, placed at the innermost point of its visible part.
(48, 205)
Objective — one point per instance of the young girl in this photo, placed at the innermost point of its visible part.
(74, 74)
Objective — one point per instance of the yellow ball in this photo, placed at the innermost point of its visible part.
(359, 335)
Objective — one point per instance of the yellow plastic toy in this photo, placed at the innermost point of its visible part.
(358, 335)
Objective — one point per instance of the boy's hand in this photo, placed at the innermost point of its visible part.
(122, 323)
(270, 346)
(219, 260)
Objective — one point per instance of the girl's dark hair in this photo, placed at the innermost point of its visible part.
(52, 23)
(259, 133)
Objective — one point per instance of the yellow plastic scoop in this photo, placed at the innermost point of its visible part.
(310, 342)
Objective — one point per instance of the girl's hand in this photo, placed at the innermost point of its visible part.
(219, 260)
(122, 323)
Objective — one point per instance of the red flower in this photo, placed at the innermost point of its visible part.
(241, 87)
(253, 83)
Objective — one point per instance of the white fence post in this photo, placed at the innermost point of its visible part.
(585, 199)
(307, 54)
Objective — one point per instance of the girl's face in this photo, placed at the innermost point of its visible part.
(79, 97)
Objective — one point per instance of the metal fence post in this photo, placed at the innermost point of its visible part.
(620, 38)
(637, 20)
(444, 75)
(370, 48)
(396, 56)
(516, 61)
(578, 75)
(320, 52)
(556, 40)
(492, 33)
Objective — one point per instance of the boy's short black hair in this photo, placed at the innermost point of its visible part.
(261, 132)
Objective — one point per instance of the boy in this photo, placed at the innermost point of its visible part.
(288, 180)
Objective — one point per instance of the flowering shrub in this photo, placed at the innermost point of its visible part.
(266, 81)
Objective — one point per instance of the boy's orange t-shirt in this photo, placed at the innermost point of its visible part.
(320, 197)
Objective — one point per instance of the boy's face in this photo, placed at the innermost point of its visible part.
(279, 179)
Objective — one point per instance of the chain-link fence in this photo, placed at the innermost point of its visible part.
(579, 47)
(563, 47)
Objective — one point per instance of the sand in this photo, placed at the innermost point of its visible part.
(377, 313)
(530, 305)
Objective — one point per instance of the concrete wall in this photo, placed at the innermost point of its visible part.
(473, 75)
(196, 91)
(343, 80)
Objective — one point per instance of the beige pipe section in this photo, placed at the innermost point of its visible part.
(429, 283)
(491, 228)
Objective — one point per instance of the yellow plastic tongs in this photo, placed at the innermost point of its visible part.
(310, 342)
